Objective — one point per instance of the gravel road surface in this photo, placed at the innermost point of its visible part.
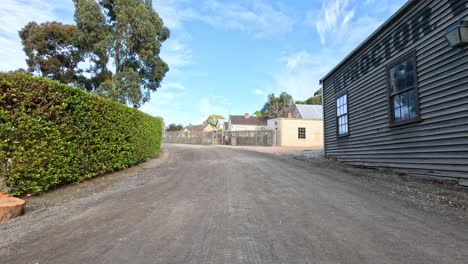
(226, 205)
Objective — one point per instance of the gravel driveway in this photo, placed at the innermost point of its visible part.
(226, 205)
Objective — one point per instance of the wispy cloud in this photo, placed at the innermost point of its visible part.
(260, 92)
(174, 12)
(209, 105)
(258, 18)
(176, 53)
(334, 16)
(299, 73)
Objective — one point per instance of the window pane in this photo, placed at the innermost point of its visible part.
(412, 104)
(405, 115)
(413, 113)
(410, 79)
(397, 114)
(396, 101)
(401, 83)
(404, 99)
(409, 64)
(412, 97)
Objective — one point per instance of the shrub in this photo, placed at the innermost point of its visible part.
(53, 134)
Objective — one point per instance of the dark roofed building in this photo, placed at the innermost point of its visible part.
(246, 123)
(198, 128)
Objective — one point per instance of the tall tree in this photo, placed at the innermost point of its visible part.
(50, 51)
(129, 32)
(125, 33)
(314, 100)
(92, 39)
(277, 107)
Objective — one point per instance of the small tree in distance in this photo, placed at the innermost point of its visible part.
(214, 119)
(174, 127)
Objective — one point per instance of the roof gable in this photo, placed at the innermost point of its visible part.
(310, 111)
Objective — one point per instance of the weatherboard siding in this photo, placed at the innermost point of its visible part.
(438, 144)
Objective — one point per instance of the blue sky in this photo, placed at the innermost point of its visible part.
(226, 56)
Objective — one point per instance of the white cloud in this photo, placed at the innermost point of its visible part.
(174, 86)
(176, 54)
(343, 24)
(333, 11)
(300, 73)
(258, 18)
(167, 102)
(260, 92)
(14, 15)
(174, 12)
(210, 105)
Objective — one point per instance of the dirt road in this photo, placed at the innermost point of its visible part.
(220, 205)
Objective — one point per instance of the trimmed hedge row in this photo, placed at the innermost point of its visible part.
(52, 134)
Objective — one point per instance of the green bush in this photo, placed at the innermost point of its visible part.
(53, 134)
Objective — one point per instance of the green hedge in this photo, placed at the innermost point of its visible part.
(52, 134)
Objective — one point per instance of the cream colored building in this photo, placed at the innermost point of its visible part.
(304, 130)
(292, 132)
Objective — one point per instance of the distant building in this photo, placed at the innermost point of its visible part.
(246, 123)
(198, 128)
(302, 128)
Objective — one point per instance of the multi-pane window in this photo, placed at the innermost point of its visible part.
(403, 91)
(301, 133)
(342, 115)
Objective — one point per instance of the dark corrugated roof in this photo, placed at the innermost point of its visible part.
(253, 120)
(387, 23)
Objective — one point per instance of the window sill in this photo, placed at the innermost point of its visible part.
(407, 122)
(343, 136)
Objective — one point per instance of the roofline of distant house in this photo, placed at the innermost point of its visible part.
(285, 118)
(387, 23)
(247, 124)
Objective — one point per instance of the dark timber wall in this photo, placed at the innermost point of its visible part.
(438, 144)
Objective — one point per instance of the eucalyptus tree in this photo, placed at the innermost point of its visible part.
(129, 35)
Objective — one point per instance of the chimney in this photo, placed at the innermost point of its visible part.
(247, 116)
(290, 115)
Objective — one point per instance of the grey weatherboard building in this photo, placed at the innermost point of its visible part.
(400, 100)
